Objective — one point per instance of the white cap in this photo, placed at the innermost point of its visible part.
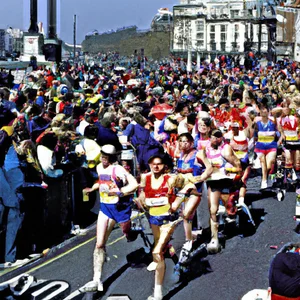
(109, 149)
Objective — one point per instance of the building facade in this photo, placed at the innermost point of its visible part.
(214, 27)
(2, 42)
(288, 32)
(162, 21)
(10, 41)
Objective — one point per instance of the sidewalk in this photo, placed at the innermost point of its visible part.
(36, 259)
(82, 236)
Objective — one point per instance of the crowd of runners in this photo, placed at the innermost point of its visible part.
(185, 131)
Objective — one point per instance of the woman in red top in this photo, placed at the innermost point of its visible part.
(289, 126)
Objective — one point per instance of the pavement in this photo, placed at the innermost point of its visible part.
(242, 265)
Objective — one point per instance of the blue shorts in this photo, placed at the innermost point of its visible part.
(159, 220)
(265, 148)
(199, 187)
(114, 212)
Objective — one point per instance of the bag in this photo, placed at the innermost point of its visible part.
(265, 91)
(68, 109)
(6, 116)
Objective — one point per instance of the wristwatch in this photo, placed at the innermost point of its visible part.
(120, 194)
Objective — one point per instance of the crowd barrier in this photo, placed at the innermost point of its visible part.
(50, 214)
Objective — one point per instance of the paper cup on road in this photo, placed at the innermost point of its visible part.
(85, 197)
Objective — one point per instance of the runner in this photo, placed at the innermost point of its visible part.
(156, 197)
(238, 137)
(203, 130)
(194, 168)
(220, 156)
(290, 130)
(115, 186)
(266, 145)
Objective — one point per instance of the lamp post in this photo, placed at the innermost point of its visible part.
(198, 60)
(188, 33)
(74, 37)
(246, 46)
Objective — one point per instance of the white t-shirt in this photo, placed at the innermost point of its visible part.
(108, 184)
(182, 126)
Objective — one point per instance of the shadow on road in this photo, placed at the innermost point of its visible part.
(197, 268)
(136, 259)
(241, 227)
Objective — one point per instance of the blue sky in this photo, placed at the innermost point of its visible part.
(102, 15)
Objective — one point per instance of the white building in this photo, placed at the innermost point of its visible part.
(288, 32)
(7, 37)
(12, 36)
(214, 27)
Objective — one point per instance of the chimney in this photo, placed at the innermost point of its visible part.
(33, 28)
(51, 19)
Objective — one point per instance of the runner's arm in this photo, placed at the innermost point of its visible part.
(131, 185)
(201, 156)
(230, 156)
(140, 200)
(95, 185)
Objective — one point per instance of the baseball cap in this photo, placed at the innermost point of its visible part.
(217, 133)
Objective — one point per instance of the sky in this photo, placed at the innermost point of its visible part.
(102, 15)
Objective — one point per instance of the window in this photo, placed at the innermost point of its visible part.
(200, 36)
(212, 33)
(223, 28)
(200, 33)
(264, 33)
(223, 37)
(213, 46)
(223, 33)
(234, 13)
(200, 26)
(223, 46)
(236, 32)
(264, 37)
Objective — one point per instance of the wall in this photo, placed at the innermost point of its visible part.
(155, 44)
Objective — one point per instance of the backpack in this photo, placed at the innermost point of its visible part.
(6, 116)
(68, 109)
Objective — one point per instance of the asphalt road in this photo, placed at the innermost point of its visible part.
(241, 266)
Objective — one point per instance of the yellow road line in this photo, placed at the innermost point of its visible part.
(69, 251)
(116, 240)
(61, 255)
(76, 247)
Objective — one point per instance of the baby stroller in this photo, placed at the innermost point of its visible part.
(128, 156)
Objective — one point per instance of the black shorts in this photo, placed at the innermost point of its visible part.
(292, 146)
(225, 186)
